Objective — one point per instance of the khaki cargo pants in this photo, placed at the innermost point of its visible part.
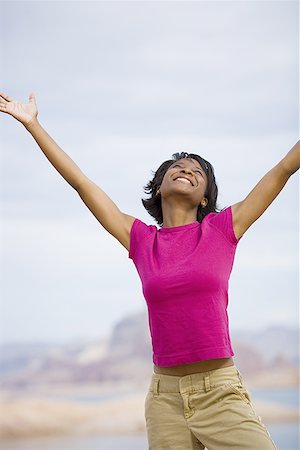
(211, 410)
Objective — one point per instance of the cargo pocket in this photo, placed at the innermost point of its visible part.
(241, 391)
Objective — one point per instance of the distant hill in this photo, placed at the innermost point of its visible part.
(275, 345)
(127, 355)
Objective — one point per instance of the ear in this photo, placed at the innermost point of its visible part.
(204, 202)
(158, 191)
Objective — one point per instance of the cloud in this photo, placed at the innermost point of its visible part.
(140, 68)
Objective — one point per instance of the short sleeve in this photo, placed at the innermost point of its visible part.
(139, 231)
(223, 221)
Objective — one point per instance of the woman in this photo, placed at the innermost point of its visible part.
(197, 398)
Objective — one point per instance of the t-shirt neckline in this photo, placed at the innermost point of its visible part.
(187, 226)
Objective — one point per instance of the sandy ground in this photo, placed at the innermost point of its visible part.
(38, 416)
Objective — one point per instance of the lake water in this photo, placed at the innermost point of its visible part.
(285, 436)
(286, 397)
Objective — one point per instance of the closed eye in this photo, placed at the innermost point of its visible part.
(179, 165)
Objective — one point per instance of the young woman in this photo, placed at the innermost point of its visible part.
(197, 398)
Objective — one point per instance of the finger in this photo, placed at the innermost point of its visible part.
(2, 99)
(6, 97)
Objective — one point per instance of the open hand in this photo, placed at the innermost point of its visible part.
(23, 112)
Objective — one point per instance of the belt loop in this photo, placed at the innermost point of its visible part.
(206, 383)
(155, 388)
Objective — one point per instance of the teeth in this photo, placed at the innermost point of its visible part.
(183, 179)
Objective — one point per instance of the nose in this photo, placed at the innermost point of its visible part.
(187, 170)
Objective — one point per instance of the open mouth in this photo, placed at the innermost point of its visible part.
(184, 180)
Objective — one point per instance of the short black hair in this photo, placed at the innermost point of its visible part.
(153, 204)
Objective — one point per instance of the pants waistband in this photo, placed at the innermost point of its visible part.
(202, 381)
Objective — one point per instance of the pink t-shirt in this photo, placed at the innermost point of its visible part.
(185, 272)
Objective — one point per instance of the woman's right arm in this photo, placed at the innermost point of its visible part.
(102, 207)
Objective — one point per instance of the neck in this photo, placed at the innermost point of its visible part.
(179, 215)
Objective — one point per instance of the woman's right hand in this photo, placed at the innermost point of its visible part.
(23, 112)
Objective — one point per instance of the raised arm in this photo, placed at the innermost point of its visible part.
(103, 208)
(246, 212)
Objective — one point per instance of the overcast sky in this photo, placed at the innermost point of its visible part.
(121, 86)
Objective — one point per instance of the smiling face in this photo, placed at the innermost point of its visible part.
(187, 178)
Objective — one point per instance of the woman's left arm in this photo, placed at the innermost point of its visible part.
(246, 212)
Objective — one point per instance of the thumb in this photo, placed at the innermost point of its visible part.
(32, 98)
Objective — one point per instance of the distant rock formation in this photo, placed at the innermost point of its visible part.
(127, 355)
